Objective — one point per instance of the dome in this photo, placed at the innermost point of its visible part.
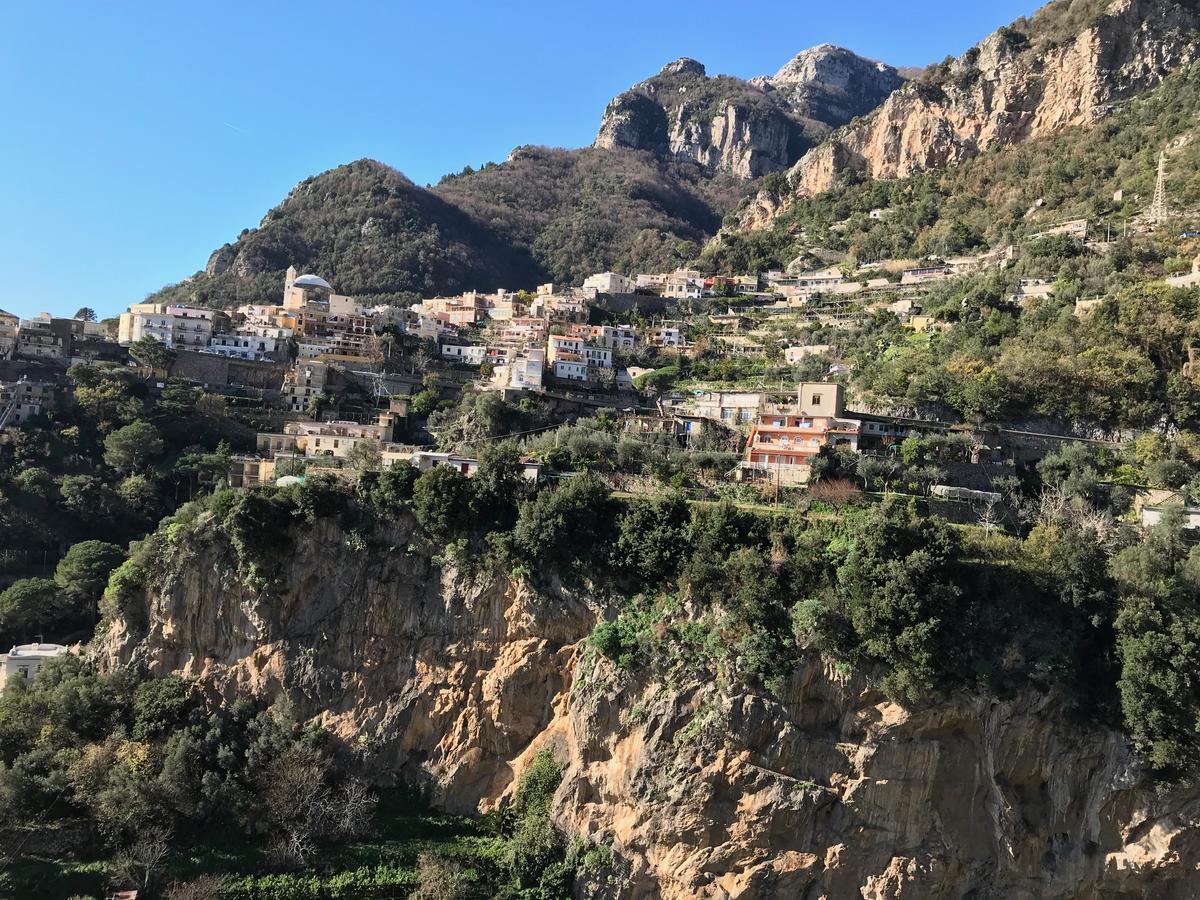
(312, 281)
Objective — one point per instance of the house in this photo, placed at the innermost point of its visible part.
(667, 337)
(24, 661)
(424, 460)
(247, 471)
(793, 355)
(467, 354)
(610, 283)
(573, 359)
(525, 372)
(335, 439)
(9, 325)
(178, 327)
(1150, 516)
(21, 400)
(922, 274)
(785, 439)
(730, 407)
(35, 339)
(614, 337)
(922, 323)
(684, 284)
(242, 344)
(305, 380)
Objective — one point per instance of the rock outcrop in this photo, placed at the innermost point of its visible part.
(702, 786)
(746, 128)
(1019, 83)
(827, 86)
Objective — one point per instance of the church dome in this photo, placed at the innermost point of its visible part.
(312, 281)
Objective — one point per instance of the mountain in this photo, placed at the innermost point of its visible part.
(543, 214)
(590, 210)
(371, 232)
(746, 128)
(1069, 64)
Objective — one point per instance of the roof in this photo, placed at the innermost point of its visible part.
(312, 281)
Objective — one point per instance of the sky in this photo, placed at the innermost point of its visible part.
(140, 136)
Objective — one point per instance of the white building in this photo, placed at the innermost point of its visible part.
(610, 283)
(666, 337)
(525, 372)
(615, 337)
(793, 355)
(21, 400)
(178, 327)
(24, 661)
(241, 344)
(467, 354)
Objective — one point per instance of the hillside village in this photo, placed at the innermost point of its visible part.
(607, 345)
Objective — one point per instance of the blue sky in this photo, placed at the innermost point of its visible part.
(141, 136)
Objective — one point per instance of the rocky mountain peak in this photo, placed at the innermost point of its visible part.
(684, 66)
(746, 128)
(830, 85)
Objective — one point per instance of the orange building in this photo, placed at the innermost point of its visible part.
(785, 439)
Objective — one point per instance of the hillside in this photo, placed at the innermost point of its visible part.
(371, 232)
(1066, 66)
(542, 215)
(590, 210)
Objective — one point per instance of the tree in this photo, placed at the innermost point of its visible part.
(565, 525)
(1158, 641)
(394, 488)
(899, 597)
(499, 485)
(30, 606)
(83, 572)
(442, 503)
(366, 455)
(109, 396)
(133, 447)
(86, 313)
(652, 538)
(439, 878)
(151, 352)
(141, 495)
(142, 863)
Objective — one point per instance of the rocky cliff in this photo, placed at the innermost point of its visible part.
(746, 128)
(1067, 66)
(701, 785)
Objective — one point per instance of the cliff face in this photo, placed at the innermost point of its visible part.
(702, 786)
(1010, 88)
(746, 128)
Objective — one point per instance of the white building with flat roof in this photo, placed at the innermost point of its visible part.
(24, 661)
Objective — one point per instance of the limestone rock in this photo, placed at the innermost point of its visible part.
(745, 128)
(703, 787)
(1002, 92)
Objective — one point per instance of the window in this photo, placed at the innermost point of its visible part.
(816, 399)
